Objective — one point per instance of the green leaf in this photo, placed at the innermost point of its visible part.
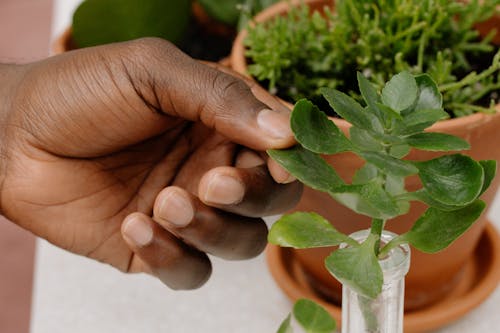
(490, 170)
(304, 230)
(368, 199)
(285, 326)
(388, 164)
(312, 317)
(395, 184)
(436, 229)
(452, 179)
(365, 174)
(314, 131)
(423, 196)
(97, 22)
(370, 96)
(436, 142)
(399, 150)
(388, 112)
(351, 110)
(225, 11)
(307, 167)
(400, 92)
(358, 268)
(364, 140)
(418, 120)
(429, 97)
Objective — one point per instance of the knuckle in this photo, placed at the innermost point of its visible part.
(147, 51)
(229, 89)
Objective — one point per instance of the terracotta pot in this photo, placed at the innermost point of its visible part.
(431, 277)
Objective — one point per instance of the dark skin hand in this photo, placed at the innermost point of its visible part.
(138, 156)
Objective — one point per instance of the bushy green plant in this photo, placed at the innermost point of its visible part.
(299, 54)
(382, 134)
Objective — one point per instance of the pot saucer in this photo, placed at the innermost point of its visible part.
(481, 277)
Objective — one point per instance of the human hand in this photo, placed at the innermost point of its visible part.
(138, 156)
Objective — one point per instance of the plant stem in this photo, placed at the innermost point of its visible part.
(473, 77)
(392, 244)
(371, 320)
(376, 230)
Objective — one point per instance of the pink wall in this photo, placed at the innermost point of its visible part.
(24, 37)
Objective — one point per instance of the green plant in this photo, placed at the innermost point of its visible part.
(382, 134)
(310, 316)
(98, 22)
(299, 54)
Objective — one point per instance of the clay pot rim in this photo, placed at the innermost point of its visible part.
(238, 63)
(61, 42)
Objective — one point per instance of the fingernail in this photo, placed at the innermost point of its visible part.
(289, 179)
(276, 124)
(224, 190)
(248, 159)
(176, 209)
(138, 231)
(279, 174)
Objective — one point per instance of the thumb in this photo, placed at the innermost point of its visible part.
(180, 86)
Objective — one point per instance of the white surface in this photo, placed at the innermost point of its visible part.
(74, 294)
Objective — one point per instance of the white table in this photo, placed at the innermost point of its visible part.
(74, 294)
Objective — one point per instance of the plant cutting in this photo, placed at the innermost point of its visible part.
(371, 264)
(395, 34)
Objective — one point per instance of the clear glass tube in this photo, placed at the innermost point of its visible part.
(385, 313)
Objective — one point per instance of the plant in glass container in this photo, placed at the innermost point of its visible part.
(371, 264)
(295, 54)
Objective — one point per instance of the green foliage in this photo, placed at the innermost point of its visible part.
(98, 22)
(225, 11)
(357, 267)
(435, 229)
(311, 317)
(304, 230)
(297, 55)
(452, 179)
(286, 325)
(235, 12)
(381, 134)
(316, 132)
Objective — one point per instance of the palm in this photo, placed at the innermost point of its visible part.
(79, 204)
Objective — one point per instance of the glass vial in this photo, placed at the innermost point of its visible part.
(385, 313)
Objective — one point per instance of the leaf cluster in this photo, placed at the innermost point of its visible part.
(383, 132)
(299, 54)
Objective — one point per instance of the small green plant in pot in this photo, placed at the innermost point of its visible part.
(298, 54)
(371, 264)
